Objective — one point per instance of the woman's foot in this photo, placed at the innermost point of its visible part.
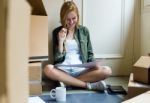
(98, 86)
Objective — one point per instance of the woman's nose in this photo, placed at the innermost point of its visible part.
(70, 21)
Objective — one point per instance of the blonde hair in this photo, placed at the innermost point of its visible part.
(66, 8)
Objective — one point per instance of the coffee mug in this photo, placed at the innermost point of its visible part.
(59, 93)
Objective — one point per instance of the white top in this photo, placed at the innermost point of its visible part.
(72, 55)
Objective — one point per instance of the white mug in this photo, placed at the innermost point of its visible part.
(59, 93)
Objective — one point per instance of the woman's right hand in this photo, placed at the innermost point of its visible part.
(62, 34)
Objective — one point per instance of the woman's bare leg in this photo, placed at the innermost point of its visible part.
(95, 74)
(92, 75)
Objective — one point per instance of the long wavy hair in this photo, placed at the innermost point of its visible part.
(66, 8)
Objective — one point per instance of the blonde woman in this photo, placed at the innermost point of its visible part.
(72, 45)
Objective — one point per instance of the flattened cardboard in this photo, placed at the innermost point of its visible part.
(136, 88)
(141, 70)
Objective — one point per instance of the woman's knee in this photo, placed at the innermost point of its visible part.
(49, 70)
(107, 71)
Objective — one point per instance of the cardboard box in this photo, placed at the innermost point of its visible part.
(35, 71)
(142, 98)
(136, 88)
(35, 88)
(38, 30)
(141, 70)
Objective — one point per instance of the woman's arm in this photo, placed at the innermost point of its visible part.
(58, 45)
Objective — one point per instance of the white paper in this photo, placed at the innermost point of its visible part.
(35, 100)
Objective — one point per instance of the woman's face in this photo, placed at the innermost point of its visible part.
(72, 20)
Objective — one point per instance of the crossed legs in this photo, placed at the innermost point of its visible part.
(91, 75)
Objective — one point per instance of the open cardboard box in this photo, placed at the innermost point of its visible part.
(38, 31)
(141, 70)
(136, 88)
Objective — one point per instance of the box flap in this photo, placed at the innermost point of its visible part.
(144, 62)
(37, 7)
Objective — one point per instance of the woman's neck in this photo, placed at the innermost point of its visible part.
(70, 34)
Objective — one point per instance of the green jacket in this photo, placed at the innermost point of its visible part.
(83, 39)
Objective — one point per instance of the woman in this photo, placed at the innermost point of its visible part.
(72, 45)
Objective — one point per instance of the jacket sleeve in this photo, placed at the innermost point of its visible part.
(58, 56)
(89, 47)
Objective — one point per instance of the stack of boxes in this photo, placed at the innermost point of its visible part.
(38, 45)
(139, 81)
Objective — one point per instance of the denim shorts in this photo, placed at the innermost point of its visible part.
(73, 71)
